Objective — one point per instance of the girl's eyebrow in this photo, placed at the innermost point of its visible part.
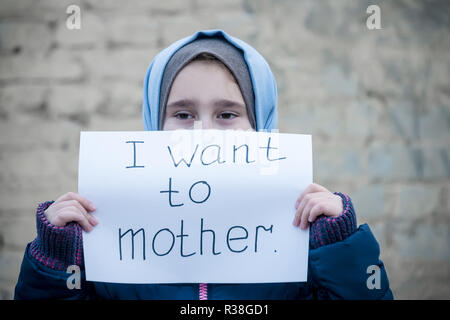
(228, 103)
(181, 103)
(217, 103)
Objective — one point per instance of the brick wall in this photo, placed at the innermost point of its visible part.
(376, 101)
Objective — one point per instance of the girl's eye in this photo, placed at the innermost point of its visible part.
(227, 115)
(183, 116)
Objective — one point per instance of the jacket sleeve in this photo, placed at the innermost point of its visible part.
(344, 260)
(45, 272)
(350, 269)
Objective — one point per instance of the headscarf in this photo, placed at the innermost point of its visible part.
(263, 81)
(228, 54)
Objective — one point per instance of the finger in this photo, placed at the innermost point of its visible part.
(312, 188)
(308, 197)
(296, 218)
(299, 213)
(306, 212)
(92, 219)
(72, 203)
(76, 204)
(317, 210)
(67, 215)
(75, 196)
(60, 206)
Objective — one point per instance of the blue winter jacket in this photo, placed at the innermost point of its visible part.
(346, 269)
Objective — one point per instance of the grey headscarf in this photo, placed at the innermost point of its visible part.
(228, 54)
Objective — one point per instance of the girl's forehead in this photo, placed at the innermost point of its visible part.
(212, 68)
(200, 79)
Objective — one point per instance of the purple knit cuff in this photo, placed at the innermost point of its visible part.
(56, 247)
(326, 230)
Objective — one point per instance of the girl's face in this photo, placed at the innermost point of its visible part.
(205, 95)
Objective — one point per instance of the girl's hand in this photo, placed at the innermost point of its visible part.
(72, 207)
(315, 201)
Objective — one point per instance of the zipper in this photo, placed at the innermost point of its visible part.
(203, 291)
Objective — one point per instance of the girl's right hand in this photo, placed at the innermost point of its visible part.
(72, 207)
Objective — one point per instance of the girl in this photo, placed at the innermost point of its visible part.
(211, 80)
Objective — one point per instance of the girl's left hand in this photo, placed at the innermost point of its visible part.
(315, 201)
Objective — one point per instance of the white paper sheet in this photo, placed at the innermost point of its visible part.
(226, 218)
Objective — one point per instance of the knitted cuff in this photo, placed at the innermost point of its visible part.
(326, 230)
(56, 247)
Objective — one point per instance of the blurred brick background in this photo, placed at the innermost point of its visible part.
(376, 101)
